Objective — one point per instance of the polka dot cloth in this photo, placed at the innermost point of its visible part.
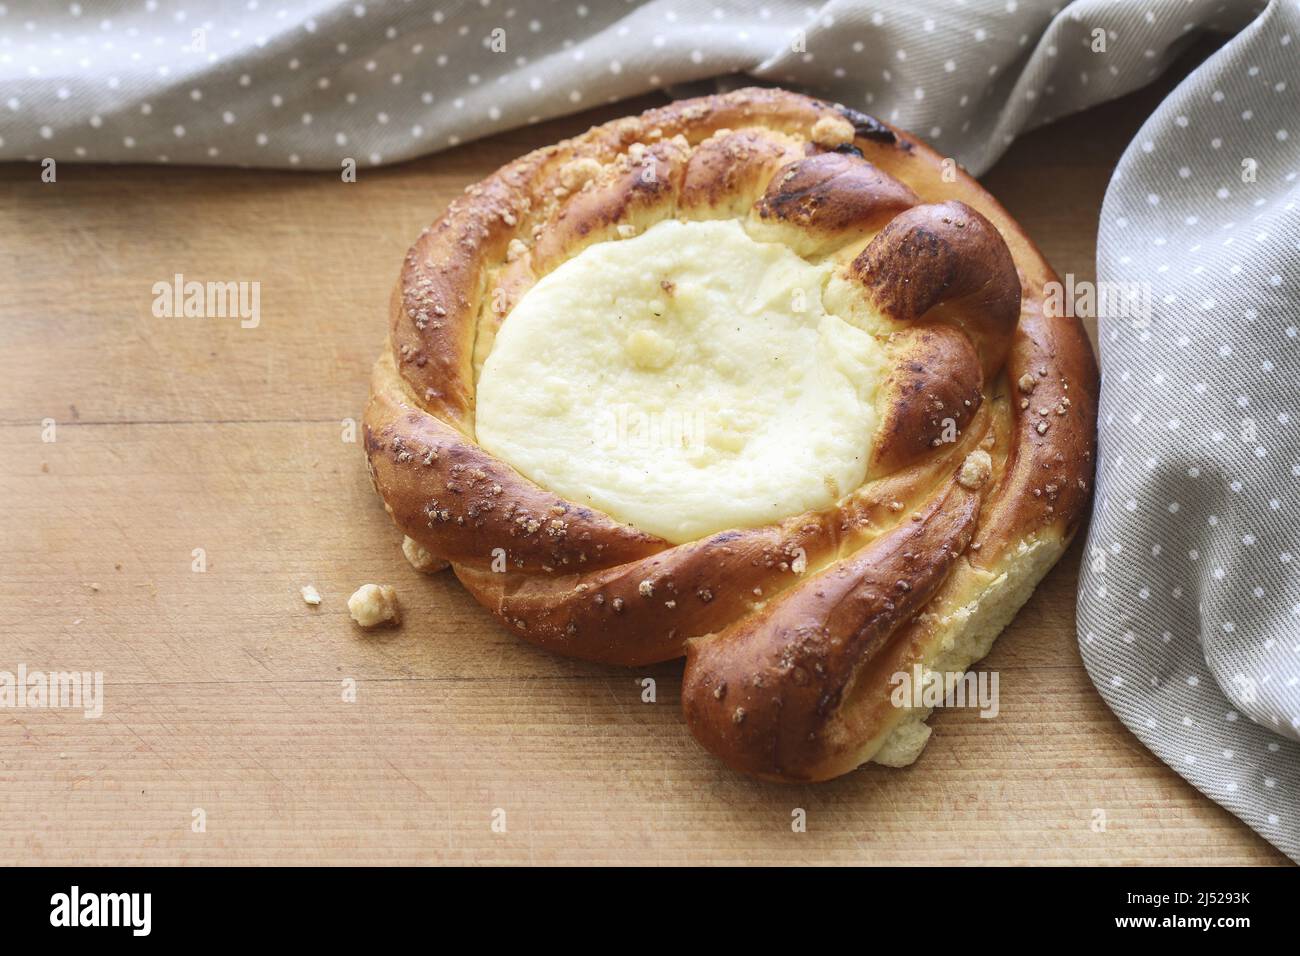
(1190, 604)
(309, 84)
(1189, 617)
(1190, 600)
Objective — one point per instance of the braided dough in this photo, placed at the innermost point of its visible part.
(976, 421)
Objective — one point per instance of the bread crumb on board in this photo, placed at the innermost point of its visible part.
(310, 594)
(374, 604)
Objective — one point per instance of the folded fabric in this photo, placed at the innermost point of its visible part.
(1189, 600)
(312, 83)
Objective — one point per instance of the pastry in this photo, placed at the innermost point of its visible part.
(752, 379)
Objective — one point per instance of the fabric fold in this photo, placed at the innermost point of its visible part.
(1189, 602)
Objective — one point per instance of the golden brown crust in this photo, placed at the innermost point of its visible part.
(828, 197)
(729, 171)
(945, 257)
(761, 693)
(636, 189)
(983, 452)
(928, 399)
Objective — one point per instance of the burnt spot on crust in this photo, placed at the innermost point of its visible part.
(870, 128)
(949, 258)
(834, 191)
(931, 254)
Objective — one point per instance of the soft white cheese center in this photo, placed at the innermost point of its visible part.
(685, 381)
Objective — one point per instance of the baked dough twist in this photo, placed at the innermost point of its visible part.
(978, 475)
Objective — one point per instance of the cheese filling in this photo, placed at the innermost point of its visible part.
(685, 381)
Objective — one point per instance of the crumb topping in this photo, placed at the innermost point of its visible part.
(832, 131)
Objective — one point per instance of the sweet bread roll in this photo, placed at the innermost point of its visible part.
(751, 379)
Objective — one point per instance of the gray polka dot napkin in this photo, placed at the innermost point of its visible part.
(1189, 601)
(1189, 614)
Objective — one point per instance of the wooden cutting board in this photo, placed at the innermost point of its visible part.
(224, 696)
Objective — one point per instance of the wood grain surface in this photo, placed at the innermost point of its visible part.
(224, 692)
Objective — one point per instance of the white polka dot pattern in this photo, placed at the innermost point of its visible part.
(1189, 613)
(311, 83)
